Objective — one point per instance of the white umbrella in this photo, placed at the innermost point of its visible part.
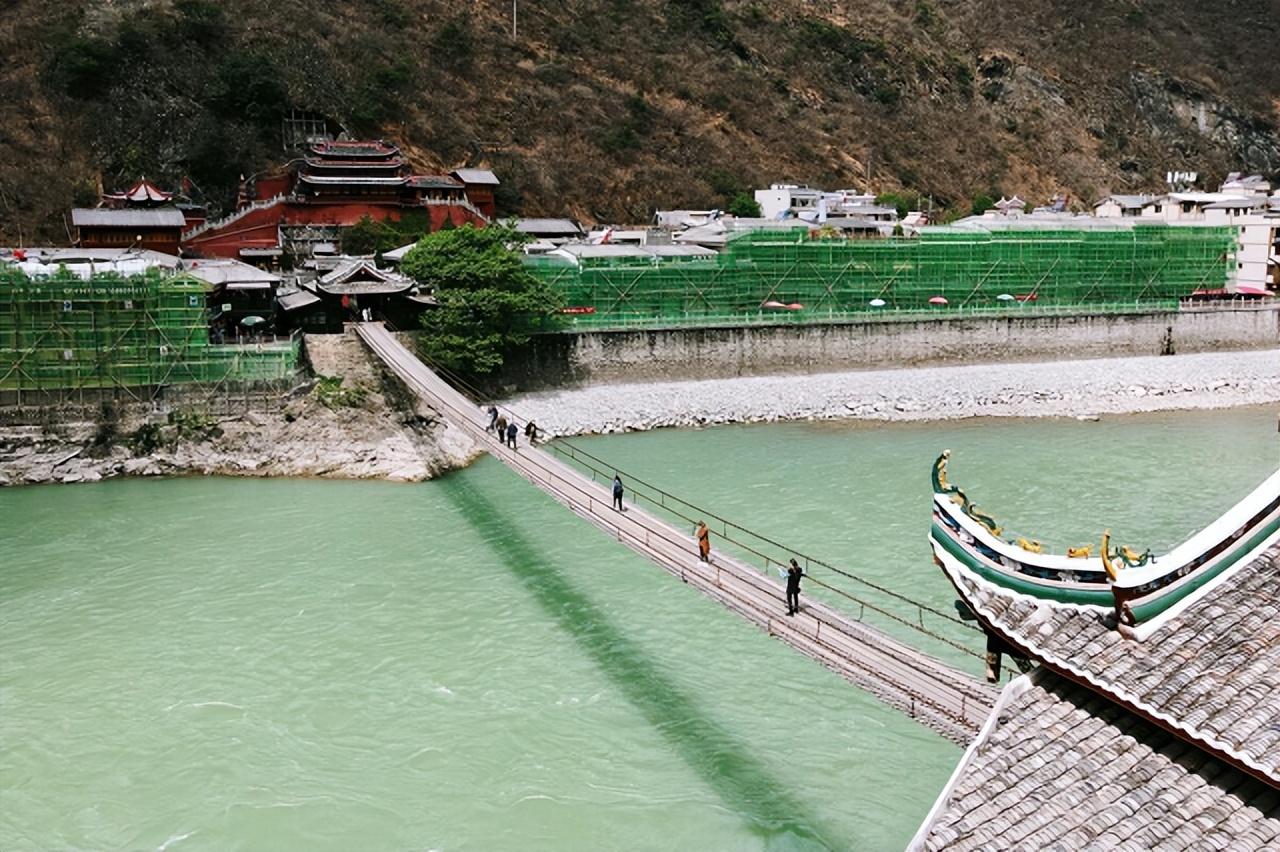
(876, 303)
(1004, 297)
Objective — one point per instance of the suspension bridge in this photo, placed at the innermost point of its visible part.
(939, 696)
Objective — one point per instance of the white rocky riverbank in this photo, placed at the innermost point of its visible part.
(1054, 389)
(386, 437)
(365, 428)
(304, 440)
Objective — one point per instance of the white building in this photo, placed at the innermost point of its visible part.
(1257, 246)
(1251, 186)
(1120, 206)
(787, 199)
(784, 200)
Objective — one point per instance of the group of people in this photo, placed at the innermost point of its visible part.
(703, 534)
(507, 430)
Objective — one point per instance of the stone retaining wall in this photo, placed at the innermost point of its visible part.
(607, 356)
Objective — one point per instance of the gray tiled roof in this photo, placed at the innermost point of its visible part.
(1212, 671)
(96, 217)
(1063, 768)
(552, 227)
(476, 176)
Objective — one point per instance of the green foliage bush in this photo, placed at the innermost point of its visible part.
(330, 393)
(489, 303)
(743, 205)
(454, 45)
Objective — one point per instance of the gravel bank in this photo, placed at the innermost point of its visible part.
(1053, 389)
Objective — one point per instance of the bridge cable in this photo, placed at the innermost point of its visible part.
(577, 454)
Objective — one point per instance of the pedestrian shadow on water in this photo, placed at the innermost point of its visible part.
(723, 761)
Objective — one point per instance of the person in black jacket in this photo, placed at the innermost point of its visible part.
(793, 588)
(617, 493)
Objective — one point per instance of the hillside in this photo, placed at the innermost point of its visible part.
(605, 110)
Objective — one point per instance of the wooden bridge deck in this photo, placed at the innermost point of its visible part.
(950, 702)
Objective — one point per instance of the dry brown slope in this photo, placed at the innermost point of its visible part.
(606, 110)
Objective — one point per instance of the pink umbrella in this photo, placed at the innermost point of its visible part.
(1246, 290)
(938, 300)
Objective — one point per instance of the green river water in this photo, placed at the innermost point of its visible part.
(201, 664)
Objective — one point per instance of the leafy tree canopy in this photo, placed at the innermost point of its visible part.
(743, 206)
(489, 303)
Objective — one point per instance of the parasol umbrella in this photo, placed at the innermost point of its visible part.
(938, 300)
(876, 303)
(252, 320)
(1005, 297)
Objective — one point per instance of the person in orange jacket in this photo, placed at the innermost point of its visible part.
(704, 541)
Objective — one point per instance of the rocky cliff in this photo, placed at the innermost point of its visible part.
(605, 110)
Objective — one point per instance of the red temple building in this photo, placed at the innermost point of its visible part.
(332, 187)
(142, 216)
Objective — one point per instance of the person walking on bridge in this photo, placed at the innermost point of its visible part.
(531, 432)
(704, 541)
(493, 417)
(512, 431)
(500, 426)
(617, 493)
(793, 587)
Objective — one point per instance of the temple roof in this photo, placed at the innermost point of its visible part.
(433, 182)
(98, 217)
(476, 177)
(346, 180)
(361, 275)
(354, 149)
(1210, 672)
(142, 192)
(1059, 767)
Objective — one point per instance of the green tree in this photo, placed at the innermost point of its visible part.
(367, 236)
(982, 203)
(489, 302)
(899, 201)
(743, 206)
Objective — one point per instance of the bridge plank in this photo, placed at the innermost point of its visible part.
(949, 701)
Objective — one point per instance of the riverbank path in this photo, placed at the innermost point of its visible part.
(947, 700)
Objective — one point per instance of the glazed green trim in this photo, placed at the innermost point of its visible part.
(1150, 609)
(1102, 597)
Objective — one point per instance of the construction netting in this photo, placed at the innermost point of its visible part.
(64, 333)
(798, 276)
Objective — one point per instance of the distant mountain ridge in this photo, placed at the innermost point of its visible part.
(605, 110)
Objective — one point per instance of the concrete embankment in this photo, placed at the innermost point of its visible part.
(590, 358)
(1053, 389)
(364, 428)
(370, 429)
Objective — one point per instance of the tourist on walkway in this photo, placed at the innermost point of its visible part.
(793, 588)
(500, 426)
(512, 431)
(704, 541)
(493, 417)
(531, 432)
(617, 493)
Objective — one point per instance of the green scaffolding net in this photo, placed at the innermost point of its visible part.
(66, 333)
(796, 276)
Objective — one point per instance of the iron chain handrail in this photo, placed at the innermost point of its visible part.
(725, 524)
